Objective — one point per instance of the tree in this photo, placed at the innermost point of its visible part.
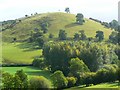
(39, 82)
(99, 35)
(59, 80)
(44, 27)
(35, 34)
(23, 78)
(57, 56)
(26, 15)
(67, 10)
(114, 24)
(14, 39)
(107, 74)
(71, 81)
(17, 82)
(7, 81)
(62, 35)
(82, 35)
(45, 23)
(51, 35)
(92, 57)
(77, 36)
(80, 18)
(77, 66)
(88, 78)
(40, 41)
(39, 62)
(114, 37)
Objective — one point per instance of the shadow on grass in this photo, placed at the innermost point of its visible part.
(71, 25)
(34, 71)
(28, 46)
(46, 74)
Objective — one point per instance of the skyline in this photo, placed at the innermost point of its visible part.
(104, 10)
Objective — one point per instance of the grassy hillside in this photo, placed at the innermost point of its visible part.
(57, 21)
(24, 52)
(20, 53)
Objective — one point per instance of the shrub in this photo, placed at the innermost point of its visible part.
(77, 66)
(62, 35)
(51, 35)
(22, 77)
(106, 74)
(39, 62)
(118, 73)
(59, 80)
(88, 78)
(39, 82)
(71, 81)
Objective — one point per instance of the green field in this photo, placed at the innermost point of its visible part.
(29, 70)
(103, 86)
(20, 53)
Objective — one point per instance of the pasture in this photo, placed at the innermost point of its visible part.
(19, 53)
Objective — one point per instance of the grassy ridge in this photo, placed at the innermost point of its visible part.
(57, 21)
(19, 53)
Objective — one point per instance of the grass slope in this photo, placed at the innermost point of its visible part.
(57, 21)
(102, 86)
(19, 53)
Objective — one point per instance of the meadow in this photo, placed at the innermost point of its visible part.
(20, 53)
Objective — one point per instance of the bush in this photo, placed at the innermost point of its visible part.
(51, 35)
(19, 80)
(39, 82)
(71, 81)
(62, 35)
(118, 73)
(106, 74)
(39, 62)
(59, 80)
(77, 66)
(88, 78)
(22, 76)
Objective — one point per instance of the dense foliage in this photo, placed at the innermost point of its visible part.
(19, 80)
(39, 82)
(59, 80)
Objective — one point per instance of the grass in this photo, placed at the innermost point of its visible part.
(20, 53)
(57, 21)
(29, 70)
(103, 86)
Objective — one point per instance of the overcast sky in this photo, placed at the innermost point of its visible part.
(105, 10)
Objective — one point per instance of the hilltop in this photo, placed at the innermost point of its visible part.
(23, 27)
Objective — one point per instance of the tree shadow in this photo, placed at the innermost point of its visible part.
(28, 46)
(71, 25)
(46, 74)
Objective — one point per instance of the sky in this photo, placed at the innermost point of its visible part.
(105, 10)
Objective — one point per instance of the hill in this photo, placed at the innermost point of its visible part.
(23, 27)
